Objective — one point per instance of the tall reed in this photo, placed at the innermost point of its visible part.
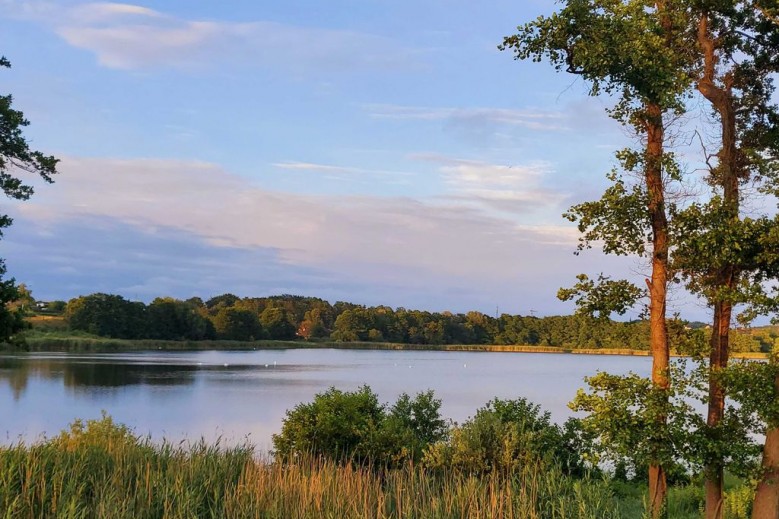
(101, 470)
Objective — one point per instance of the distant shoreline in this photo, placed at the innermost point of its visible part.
(76, 344)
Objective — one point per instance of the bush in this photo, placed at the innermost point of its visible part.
(408, 428)
(504, 436)
(354, 426)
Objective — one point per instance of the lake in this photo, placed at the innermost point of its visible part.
(237, 395)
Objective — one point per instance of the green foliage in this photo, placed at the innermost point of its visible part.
(601, 298)
(627, 415)
(622, 48)
(277, 323)
(624, 416)
(753, 385)
(56, 307)
(507, 435)
(171, 319)
(107, 315)
(11, 320)
(354, 426)
(234, 324)
(408, 428)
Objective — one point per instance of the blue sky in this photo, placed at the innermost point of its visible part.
(377, 152)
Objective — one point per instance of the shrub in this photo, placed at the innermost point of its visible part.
(354, 426)
(504, 436)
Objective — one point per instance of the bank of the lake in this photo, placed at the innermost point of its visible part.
(39, 341)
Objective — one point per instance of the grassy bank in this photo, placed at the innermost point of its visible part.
(101, 470)
(64, 341)
(76, 342)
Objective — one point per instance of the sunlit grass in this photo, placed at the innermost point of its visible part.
(100, 469)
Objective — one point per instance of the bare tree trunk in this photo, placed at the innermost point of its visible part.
(766, 503)
(657, 285)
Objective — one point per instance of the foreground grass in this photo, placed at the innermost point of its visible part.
(101, 470)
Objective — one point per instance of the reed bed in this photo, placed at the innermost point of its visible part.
(101, 470)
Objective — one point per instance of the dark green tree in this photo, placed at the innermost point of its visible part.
(108, 316)
(278, 323)
(234, 324)
(171, 319)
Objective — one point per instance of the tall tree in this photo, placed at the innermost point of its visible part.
(16, 158)
(633, 49)
(718, 247)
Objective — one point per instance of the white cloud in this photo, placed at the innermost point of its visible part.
(127, 36)
(332, 231)
(505, 188)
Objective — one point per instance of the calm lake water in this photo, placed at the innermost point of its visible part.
(237, 395)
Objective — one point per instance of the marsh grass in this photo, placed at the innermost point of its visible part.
(99, 469)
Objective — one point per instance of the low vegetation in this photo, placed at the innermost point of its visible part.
(342, 455)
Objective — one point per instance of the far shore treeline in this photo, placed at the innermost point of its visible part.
(289, 317)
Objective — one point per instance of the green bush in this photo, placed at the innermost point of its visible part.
(353, 425)
(504, 436)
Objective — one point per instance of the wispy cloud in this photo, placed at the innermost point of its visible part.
(127, 36)
(310, 166)
(535, 120)
(506, 188)
(345, 171)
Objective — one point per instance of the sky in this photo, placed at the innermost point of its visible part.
(373, 151)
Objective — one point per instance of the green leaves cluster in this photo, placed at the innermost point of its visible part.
(619, 47)
(354, 426)
(506, 435)
(503, 438)
(601, 297)
(637, 423)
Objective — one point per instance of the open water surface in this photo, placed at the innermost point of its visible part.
(238, 395)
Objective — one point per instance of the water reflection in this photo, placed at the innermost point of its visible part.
(103, 372)
(237, 394)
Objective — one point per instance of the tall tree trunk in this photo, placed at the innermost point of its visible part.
(766, 503)
(725, 175)
(718, 360)
(657, 285)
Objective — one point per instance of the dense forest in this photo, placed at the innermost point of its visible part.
(289, 317)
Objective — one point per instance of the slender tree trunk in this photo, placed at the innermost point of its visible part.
(718, 360)
(657, 285)
(766, 503)
(725, 175)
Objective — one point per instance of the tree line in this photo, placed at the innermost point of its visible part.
(290, 317)
(693, 82)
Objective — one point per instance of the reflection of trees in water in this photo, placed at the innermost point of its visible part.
(84, 375)
(16, 373)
